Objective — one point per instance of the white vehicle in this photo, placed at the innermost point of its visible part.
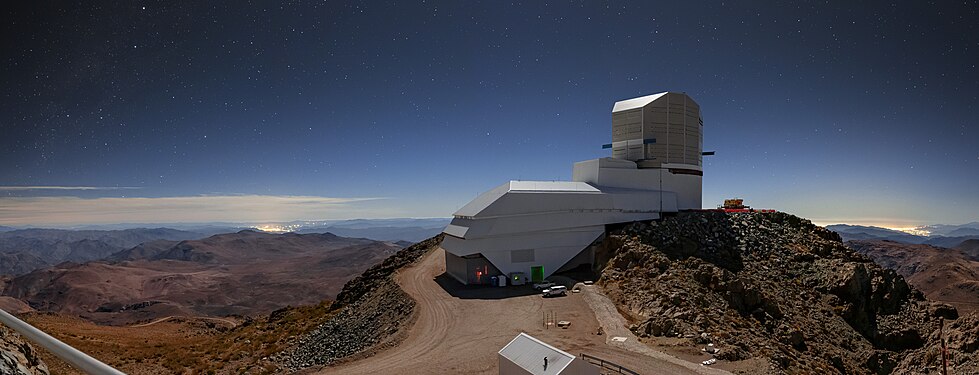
(557, 290)
(544, 285)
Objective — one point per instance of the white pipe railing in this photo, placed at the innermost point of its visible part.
(73, 356)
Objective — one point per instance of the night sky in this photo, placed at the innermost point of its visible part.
(250, 111)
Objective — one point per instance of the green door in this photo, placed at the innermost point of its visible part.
(537, 273)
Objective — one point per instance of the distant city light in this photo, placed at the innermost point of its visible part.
(917, 231)
(277, 228)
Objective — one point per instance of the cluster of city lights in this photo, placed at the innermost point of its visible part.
(917, 231)
(278, 228)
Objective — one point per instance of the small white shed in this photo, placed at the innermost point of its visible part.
(525, 355)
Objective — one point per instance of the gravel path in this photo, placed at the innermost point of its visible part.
(460, 330)
(614, 325)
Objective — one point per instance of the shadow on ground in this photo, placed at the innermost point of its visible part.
(456, 289)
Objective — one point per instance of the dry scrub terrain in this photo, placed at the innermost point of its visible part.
(244, 273)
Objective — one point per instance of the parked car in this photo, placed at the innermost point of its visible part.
(557, 290)
(544, 285)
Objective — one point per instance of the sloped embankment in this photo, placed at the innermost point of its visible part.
(370, 311)
(778, 287)
(17, 356)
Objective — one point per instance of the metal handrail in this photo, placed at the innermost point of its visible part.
(73, 356)
(607, 365)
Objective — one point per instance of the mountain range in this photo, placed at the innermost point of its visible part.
(25, 250)
(941, 235)
(243, 273)
(413, 230)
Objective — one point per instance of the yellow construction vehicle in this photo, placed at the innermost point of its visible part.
(734, 204)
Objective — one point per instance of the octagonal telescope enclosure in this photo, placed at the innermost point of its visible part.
(664, 128)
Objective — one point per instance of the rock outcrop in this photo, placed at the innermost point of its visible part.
(778, 287)
(369, 313)
(17, 357)
(945, 275)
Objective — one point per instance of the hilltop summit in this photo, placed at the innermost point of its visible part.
(778, 287)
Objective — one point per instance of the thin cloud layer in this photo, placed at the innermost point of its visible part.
(235, 208)
(49, 187)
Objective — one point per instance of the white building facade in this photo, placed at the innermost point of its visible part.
(533, 229)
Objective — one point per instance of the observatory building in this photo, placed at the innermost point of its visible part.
(533, 229)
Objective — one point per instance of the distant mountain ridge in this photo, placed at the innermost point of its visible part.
(123, 237)
(942, 235)
(411, 234)
(412, 230)
(24, 250)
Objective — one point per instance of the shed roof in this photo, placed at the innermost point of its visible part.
(634, 103)
(528, 353)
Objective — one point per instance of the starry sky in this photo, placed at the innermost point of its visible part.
(248, 111)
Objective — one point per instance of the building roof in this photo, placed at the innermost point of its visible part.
(484, 200)
(552, 186)
(634, 103)
(528, 353)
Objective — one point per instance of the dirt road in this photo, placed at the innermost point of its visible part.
(161, 320)
(460, 330)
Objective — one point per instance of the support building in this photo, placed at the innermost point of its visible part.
(533, 229)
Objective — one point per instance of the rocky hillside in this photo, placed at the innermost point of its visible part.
(945, 275)
(778, 287)
(369, 312)
(17, 357)
(367, 315)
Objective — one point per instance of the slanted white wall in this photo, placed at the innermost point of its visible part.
(558, 220)
(556, 223)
